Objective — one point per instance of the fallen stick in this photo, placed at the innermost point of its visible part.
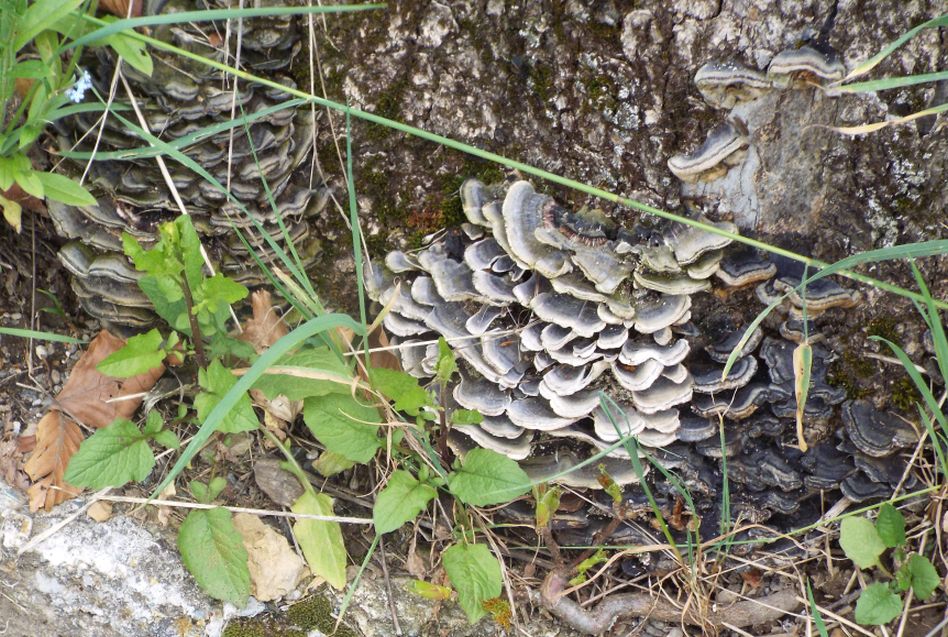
(605, 614)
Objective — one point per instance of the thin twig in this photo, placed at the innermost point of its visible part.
(388, 589)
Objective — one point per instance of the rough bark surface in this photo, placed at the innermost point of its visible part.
(602, 92)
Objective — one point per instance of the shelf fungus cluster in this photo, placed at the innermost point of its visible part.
(548, 308)
(550, 311)
(199, 112)
(727, 165)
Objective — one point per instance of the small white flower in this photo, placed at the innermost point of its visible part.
(78, 90)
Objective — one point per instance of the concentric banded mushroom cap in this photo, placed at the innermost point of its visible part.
(726, 84)
(875, 433)
(725, 146)
(805, 61)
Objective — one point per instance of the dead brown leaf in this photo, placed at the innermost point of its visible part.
(263, 330)
(57, 438)
(120, 8)
(267, 326)
(87, 391)
(100, 511)
(275, 568)
(84, 398)
(10, 458)
(752, 578)
(17, 194)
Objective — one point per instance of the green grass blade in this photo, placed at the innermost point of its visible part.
(128, 24)
(631, 445)
(933, 320)
(40, 336)
(866, 66)
(181, 143)
(916, 377)
(815, 612)
(266, 360)
(298, 270)
(732, 357)
(351, 589)
(886, 83)
(356, 231)
(935, 438)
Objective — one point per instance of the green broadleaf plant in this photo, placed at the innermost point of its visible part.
(864, 543)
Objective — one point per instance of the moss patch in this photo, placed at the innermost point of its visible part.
(312, 613)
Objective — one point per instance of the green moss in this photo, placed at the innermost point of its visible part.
(245, 628)
(542, 77)
(885, 327)
(848, 370)
(904, 394)
(316, 612)
(299, 620)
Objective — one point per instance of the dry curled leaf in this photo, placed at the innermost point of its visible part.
(57, 438)
(84, 398)
(87, 392)
(275, 568)
(264, 329)
(266, 326)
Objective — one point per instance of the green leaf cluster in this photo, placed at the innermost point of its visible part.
(173, 270)
(43, 29)
(865, 543)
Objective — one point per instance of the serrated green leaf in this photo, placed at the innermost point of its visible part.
(217, 381)
(219, 292)
(860, 541)
(475, 574)
(890, 525)
(111, 457)
(334, 377)
(215, 487)
(429, 591)
(321, 541)
(487, 477)
(213, 552)
(447, 364)
(403, 389)
(164, 292)
(466, 417)
(62, 188)
(167, 439)
(877, 605)
(344, 425)
(924, 576)
(402, 499)
(141, 353)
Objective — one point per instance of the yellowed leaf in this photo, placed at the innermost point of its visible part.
(802, 365)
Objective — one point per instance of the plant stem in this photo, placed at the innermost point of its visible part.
(291, 464)
(192, 320)
(444, 429)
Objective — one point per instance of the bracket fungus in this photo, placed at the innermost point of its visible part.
(179, 98)
(538, 349)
